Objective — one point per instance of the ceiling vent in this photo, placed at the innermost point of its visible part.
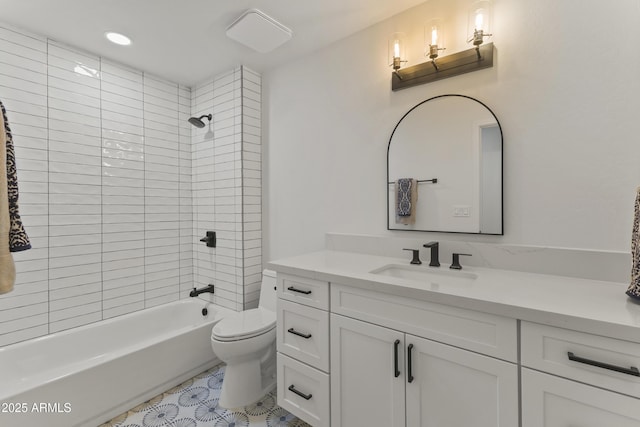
(258, 31)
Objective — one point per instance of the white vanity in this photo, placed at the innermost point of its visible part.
(368, 340)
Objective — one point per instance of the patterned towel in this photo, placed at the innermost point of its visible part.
(7, 267)
(406, 197)
(634, 288)
(18, 239)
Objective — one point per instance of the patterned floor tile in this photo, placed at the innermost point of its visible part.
(194, 403)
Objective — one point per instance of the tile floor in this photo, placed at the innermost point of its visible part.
(194, 403)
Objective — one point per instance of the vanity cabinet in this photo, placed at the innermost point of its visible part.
(504, 351)
(352, 356)
(349, 356)
(413, 357)
(572, 378)
(385, 377)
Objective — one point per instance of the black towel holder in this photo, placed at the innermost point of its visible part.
(434, 181)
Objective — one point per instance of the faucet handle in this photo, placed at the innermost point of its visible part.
(455, 262)
(416, 255)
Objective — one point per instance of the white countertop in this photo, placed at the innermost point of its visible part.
(585, 305)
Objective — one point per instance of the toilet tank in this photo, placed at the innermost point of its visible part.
(268, 290)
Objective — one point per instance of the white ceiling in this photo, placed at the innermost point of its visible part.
(184, 40)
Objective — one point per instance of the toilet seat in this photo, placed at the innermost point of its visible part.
(244, 325)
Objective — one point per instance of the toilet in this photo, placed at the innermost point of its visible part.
(246, 342)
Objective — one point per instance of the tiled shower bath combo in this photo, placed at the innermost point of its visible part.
(117, 188)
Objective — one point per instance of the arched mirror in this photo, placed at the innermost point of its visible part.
(444, 168)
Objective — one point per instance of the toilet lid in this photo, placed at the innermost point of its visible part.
(243, 325)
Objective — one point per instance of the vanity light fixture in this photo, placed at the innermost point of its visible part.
(396, 51)
(466, 61)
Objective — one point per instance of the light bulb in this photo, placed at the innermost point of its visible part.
(479, 21)
(433, 38)
(396, 51)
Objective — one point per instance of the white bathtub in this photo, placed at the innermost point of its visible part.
(88, 375)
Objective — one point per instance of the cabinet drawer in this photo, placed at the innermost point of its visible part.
(303, 333)
(596, 360)
(549, 401)
(303, 391)
(480, 332)
(313, 293)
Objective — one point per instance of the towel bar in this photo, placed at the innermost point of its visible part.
(434, 181)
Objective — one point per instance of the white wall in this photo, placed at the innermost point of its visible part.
(564, 86)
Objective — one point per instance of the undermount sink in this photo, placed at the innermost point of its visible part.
(427, 275)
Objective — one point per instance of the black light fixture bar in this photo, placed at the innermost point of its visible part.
(448, 66)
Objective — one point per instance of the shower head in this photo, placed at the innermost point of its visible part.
(197, 121)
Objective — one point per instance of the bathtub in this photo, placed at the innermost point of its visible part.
(88, 375)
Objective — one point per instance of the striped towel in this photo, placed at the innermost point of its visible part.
(634, 288)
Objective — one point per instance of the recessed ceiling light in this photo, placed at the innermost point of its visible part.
(118, 38)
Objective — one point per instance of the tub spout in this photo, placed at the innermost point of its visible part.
(195, 292)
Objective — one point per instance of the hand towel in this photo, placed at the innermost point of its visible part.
(406, 198)
(634, 287)
(7, 267)
(18, 239)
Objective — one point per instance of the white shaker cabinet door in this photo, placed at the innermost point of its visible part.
(367, 374)
(450, 387)
(550, 401)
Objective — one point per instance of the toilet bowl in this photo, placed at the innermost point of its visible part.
(246, 342)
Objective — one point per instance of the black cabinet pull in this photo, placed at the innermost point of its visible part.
(409, 369)
(396, 371)
(629, 371)
(299, 393)
(300, 334)
(292, 289)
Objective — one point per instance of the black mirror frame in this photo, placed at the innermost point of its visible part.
(501, 166)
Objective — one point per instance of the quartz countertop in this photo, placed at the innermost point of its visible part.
(591, 306)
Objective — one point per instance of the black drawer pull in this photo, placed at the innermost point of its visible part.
(409, 369)
(299, 393)
(292, 289)
(629, 371)
(396, 370)
(300, 334)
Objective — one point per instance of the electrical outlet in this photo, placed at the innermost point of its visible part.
(461, 211)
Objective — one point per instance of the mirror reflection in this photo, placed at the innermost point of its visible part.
(444, 168)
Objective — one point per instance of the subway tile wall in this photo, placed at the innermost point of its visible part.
(226, 187)
(251, 186)
(24, 313)
(117, 188)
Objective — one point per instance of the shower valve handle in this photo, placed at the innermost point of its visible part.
(210, 239)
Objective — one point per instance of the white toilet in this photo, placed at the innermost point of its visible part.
(246, 342)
